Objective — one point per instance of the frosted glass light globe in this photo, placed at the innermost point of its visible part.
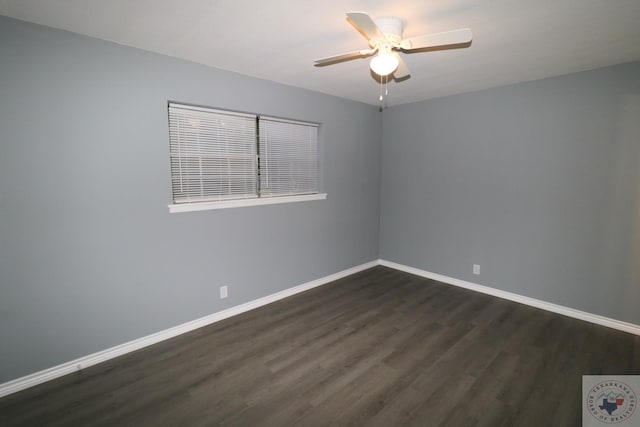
(384, 63)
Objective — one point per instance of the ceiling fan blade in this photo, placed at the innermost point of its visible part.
(365, 25)
(402, 72)
(344, 57)
(446, 38)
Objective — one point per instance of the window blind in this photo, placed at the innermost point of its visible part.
(213, 154)
(288, 157)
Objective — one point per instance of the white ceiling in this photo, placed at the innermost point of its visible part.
(278, 40)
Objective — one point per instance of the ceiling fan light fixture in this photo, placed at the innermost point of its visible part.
(384, 63)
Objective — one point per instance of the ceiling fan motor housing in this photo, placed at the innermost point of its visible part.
(391, 27)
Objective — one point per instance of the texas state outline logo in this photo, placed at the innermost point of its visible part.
(611, 401)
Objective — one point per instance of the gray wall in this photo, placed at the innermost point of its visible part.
(90, 256)
(539, 183)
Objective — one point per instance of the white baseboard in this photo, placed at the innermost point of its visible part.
(555, 308)
(40, 377)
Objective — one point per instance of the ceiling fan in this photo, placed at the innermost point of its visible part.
(385, 38)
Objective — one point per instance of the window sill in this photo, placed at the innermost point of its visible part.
(226, 204)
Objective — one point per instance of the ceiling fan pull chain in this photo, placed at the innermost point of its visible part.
(386, 91)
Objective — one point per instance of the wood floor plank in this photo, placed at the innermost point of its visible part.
(378, 348)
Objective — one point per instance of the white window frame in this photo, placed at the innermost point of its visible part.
(308, 192)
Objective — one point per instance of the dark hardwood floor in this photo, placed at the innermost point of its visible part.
(379, 348)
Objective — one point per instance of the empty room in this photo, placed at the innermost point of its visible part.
(276, 213)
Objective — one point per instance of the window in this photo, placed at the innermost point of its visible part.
(288, 157)
(213, 154)
(226, 159)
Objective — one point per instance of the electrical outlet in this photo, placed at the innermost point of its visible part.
(224, 291)
(476, 268)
